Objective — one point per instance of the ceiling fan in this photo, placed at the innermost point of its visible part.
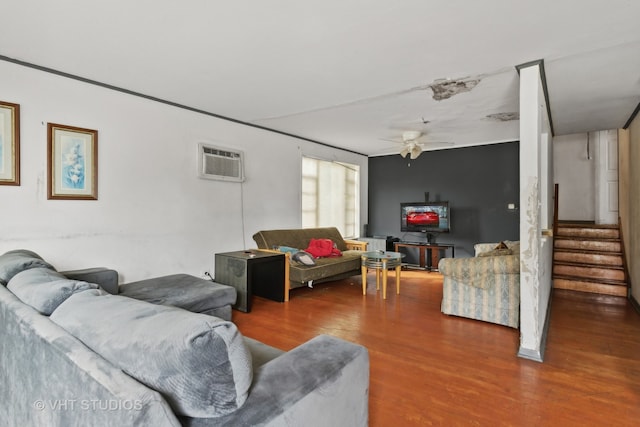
(413, 141)
(411, 145)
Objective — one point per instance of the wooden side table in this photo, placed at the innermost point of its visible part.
(252, 272)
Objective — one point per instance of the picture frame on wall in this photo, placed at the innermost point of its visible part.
(72, 155)
(9, 143)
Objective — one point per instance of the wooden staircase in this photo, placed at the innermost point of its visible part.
(589, 258)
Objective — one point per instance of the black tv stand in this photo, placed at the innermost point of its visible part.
(433, 248)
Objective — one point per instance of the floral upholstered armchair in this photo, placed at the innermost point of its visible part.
(485, 287)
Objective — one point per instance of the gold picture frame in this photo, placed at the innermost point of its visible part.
(9, 143)
(72, 155)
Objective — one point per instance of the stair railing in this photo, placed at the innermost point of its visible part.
(627, 277)
(555, 210)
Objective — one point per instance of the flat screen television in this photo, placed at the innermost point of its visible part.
(425, 217)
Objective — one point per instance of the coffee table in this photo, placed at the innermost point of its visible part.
(381, 261)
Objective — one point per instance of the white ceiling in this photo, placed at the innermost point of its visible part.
(348, 73)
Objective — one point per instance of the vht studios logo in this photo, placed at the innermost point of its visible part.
(87, 405)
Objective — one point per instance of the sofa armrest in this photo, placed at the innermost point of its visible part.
(323, 382)
(356, 245)
(105, 277)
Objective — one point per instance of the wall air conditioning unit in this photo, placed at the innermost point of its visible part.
(220, 163)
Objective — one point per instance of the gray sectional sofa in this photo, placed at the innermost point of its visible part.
(72, 354)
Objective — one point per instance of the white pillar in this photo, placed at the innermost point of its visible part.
(535, 179)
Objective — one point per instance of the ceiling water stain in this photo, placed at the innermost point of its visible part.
(445, 89)
(504, 117)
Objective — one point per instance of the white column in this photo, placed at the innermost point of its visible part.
(535, 250)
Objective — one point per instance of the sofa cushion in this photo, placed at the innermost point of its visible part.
(261, 353)
(496, 252)
(514, 245)
(287, 249)
(18, 260)
(182, 290)
(106, 278)
(199, 363)
(45, 289)
(304, 258)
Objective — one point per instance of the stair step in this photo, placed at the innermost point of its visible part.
(597, 287)
(592, 280)
(588, 257)
(602, 245)
(590, 232)
(589, 271)
(583, 224)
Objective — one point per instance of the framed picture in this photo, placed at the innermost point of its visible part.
(9, 143)
(72, 163)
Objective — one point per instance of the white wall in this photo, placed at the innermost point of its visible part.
(632, 233)
(154, 215)
(574, 172)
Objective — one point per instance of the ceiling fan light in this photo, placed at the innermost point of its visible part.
(404, 152)
(415, 151)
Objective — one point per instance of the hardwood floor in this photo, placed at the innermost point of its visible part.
(431, 369)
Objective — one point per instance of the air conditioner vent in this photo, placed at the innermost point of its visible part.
(220, 163)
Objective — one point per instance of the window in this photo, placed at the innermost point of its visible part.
(330, 195)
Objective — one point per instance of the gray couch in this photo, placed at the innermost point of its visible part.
(73, 354)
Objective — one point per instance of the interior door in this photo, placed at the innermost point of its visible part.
(606, 176)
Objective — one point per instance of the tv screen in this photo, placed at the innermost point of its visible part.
(425, 217)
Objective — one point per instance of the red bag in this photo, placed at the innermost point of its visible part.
(323, 248)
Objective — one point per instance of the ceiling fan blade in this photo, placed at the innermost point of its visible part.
(391, 140)
(436, 143)
(411, 136)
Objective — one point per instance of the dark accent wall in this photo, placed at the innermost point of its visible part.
(479, 183)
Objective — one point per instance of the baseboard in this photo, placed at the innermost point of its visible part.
(630, 297)
(538, 355)
(634, 303)
(535, 355)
